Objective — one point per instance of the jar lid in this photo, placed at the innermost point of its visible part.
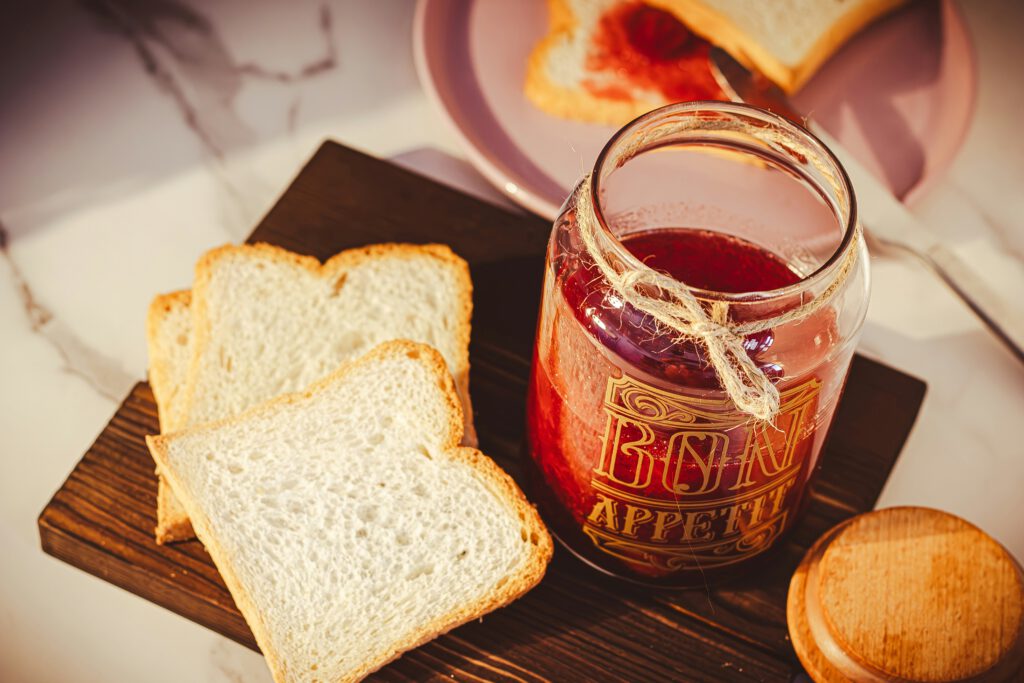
(907, 594)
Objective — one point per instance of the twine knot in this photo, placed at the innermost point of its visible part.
(674, 307)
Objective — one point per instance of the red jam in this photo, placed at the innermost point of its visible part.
(649, 48)
(645, 463)
(710, 260)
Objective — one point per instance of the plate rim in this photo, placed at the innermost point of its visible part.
(520, 195)
(541, 206)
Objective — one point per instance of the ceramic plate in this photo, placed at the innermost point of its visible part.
(899, 96)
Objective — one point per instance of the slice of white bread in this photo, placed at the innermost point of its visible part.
(347, 522)
(786, 40)
(267, 321)
(169, 340)
(559, 80)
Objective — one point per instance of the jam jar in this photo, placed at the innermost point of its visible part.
(643, 464)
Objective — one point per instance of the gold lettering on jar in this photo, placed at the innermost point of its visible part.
(665, 522)
(682, 449)
(604, 513)
(684, 482)
(629, 455)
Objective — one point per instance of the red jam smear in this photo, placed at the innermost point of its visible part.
(649, 48)
(570, 426)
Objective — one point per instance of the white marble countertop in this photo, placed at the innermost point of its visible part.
(134, 136)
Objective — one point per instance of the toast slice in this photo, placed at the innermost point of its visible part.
(266, 321)
(347, 522)
(609, 61)
(169, 340)
(786, 40)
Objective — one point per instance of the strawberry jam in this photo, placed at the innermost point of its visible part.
(710, 260)
(645, 48)
(645, 468)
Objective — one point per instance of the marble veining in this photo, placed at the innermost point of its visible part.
(100, 372)
(148, 131)
(184, 54)
(36, 313)
(314, 68)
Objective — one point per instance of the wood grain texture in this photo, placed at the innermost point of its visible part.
(910, 594)
(575, 626)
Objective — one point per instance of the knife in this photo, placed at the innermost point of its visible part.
(884, 217)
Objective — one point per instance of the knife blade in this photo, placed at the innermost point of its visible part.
(884, 217)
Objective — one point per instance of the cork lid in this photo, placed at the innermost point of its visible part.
(908, 594)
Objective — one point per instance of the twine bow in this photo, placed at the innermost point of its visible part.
(673, 305)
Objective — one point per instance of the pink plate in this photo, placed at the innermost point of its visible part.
(899, 96)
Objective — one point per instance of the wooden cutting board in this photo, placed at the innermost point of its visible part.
(575, 626)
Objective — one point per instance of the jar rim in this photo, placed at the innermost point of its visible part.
(845, 186)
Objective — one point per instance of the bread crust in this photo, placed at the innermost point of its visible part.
(172, 524)
(161, 376)
(719, 29)
(572, 103)
(496, 480)
(332, 268)
(705, 21)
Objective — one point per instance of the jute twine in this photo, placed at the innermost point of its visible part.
(675, 308)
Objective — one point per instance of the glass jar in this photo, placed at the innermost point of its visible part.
(644, 466)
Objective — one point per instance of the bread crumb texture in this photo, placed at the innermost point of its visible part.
(346, 521)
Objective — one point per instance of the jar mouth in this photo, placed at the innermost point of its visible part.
(843, 187)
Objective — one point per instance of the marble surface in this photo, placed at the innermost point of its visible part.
(135, 135)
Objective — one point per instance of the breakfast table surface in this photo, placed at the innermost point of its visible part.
(135, 136)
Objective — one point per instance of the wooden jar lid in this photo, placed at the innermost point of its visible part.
(908, 594)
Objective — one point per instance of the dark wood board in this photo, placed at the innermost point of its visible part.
(575, 626)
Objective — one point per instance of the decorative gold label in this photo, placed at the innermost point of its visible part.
(688, 483)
